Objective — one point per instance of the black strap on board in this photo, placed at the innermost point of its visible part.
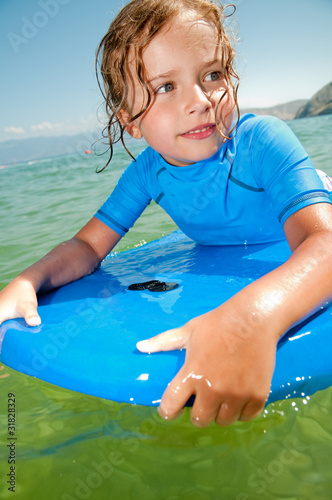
(153, 286)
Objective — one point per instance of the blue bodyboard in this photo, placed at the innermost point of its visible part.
(87, 339)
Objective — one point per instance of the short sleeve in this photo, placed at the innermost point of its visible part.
(127, 201)
(283, 169)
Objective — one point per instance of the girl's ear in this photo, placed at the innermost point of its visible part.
(131, 128)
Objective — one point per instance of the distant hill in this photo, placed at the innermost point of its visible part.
(22, 150)
(286, 111)
(319, 104)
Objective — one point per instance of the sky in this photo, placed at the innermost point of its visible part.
(47, 50)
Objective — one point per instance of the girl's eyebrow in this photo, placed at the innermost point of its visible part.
(171, 73)
(212, 63)
(162, 76)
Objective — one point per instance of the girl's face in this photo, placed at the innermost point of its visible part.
(184, 73)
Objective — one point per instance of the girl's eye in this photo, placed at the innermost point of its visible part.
(213, 76)
(168, 87)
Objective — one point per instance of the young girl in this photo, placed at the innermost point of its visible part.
(167, 67)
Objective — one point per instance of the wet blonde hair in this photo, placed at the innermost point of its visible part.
(134, 27)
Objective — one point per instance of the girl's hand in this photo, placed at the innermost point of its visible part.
(228, 367)
(19, 300)
(231, 350)
(67, 262)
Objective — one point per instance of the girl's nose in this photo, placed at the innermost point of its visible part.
(196, 100)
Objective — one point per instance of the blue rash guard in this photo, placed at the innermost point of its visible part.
(243, 194)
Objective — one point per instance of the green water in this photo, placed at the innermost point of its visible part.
(71, 446)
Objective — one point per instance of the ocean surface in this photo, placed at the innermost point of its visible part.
(71, 446)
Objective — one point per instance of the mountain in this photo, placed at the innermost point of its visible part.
(22, 150)
(286, 111)
(319, 104)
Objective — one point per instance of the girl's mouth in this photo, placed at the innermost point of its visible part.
(202, 132)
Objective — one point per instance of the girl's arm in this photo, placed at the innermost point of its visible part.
(230, 351)
(67, 262)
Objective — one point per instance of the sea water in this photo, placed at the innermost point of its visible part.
(72, 446)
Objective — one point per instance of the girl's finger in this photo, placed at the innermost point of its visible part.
(205, 408)
(175, 396)
(251, 410)
(229, 412)
(166, 341)
(32, 318)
